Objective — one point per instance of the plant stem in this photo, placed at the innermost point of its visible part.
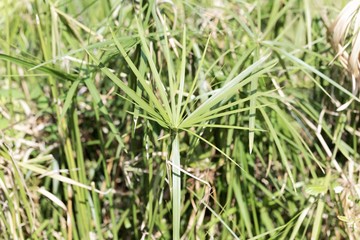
(176, 185)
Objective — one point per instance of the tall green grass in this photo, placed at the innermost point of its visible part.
(174, 120)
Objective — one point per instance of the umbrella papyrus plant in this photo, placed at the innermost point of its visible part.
(169, 102)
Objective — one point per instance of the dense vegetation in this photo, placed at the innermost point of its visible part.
(179, 119)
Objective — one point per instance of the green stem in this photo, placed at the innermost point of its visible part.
(176, 185)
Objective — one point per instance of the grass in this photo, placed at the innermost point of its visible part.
(178, 120)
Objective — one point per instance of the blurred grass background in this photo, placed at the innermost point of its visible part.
(176, 119)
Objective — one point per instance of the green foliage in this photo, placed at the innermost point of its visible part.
(174, 120)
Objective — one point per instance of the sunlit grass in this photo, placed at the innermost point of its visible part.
(178, 120)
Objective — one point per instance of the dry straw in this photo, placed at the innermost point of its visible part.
(346, 41)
